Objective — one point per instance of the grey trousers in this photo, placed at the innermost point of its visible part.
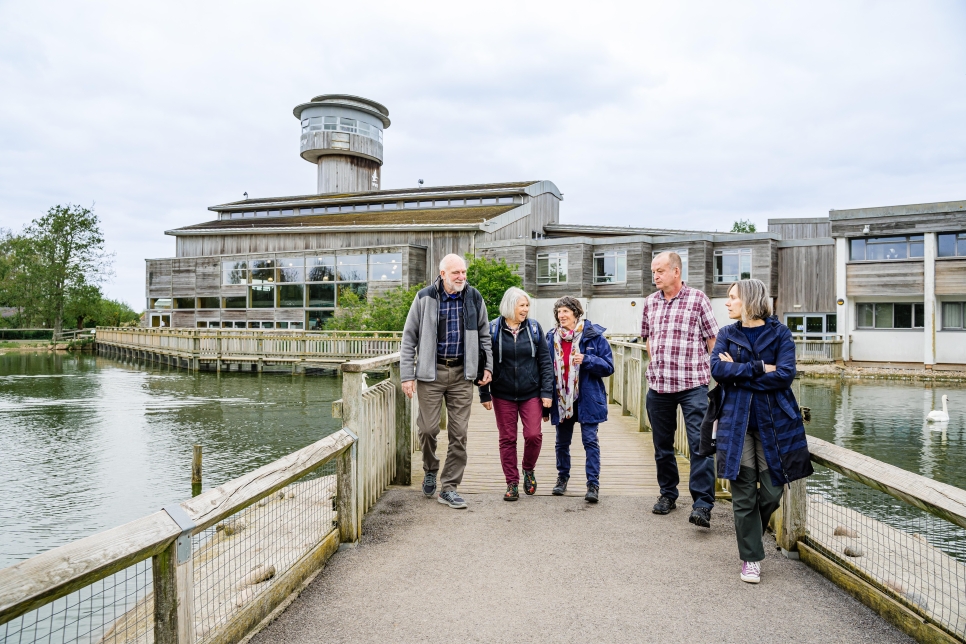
(754, 498)
(452, 387)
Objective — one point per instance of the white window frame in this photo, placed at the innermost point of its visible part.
(618, 255)
(727, 279)
(560, 259)
(962, 321)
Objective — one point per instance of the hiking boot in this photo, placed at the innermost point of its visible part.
(512, 493)
(452, 499)
(664, 505)
(529, 482)
(429, 484)
(751, 571)
(701, 517)
(591, 496)
(561, 486)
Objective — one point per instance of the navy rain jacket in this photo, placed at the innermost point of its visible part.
(598, 364)
(779, 419)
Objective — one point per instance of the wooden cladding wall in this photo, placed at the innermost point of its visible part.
(897, 277)
(764, 265)
(637, 254)
(806, 229)
(910, 224)
(951, 276)
(807, 278)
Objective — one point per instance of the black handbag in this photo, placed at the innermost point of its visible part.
(707, 446)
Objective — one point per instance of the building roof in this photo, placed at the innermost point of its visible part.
(459, 217)
(516, 187)
(899, 211)
(608, 231)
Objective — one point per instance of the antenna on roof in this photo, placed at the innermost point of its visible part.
(420, 182)
(246, 195)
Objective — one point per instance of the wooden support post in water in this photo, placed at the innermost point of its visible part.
(196, 471)
(404, 454)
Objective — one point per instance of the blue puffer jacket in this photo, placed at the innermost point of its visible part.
(745, 381)
(598, 364)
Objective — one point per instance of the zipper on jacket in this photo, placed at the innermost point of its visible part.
(771, 416)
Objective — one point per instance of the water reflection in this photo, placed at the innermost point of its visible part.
(89, 443)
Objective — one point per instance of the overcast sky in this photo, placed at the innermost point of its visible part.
(684, 114)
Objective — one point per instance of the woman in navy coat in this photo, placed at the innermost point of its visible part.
(761, 440)
(581, 359)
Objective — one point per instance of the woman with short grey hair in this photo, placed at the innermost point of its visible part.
(521, 388)
(760, 440)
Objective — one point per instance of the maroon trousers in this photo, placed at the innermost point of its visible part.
(531, 413)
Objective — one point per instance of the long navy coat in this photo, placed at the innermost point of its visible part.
(598, 364)
(744, 381)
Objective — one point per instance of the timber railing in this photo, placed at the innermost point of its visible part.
(893, 539)
(210, 569)
(193, 348)
(827, 349)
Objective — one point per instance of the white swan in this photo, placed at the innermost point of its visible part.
(937, 416)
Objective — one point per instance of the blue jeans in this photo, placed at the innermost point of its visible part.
(662, 412)
(588, 435)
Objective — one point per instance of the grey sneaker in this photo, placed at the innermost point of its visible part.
(561, 486)
(429, 484)
(452, 499)
(701, 517)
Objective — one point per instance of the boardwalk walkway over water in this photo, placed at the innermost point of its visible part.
(222, 565)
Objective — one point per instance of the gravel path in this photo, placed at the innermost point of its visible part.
(549, 569)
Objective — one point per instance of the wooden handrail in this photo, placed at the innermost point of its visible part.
(58, 572)
(370, 364)
(943, 500)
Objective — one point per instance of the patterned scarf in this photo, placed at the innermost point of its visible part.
(567, 389)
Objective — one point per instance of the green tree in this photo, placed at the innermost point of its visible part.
(386, 312)
(743, 226)
(18, 287)
(491, 278)
(68, 251)
(352, 314)
(83, 305)
(117, 313)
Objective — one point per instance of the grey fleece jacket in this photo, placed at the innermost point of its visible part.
(418, 352)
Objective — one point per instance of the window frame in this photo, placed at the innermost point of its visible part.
(741, 253)
(942, 312)
(620, 266)
(959, 243)
(917, 316)
(682, 253)
(910, 241)
(559, 258)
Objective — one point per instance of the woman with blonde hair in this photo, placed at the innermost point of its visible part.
(521, 388)
(761, 444)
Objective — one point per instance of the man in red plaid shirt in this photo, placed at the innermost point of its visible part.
(679, 329)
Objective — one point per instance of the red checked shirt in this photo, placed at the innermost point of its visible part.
(678, 331)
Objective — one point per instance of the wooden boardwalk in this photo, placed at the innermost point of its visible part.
(627, 459)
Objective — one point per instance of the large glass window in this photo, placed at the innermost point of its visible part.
(552, 268)
(184, 302)
(359, 289)
(889, 315)
(321, 295)
(208, 303)
(234, 272)
(315, 320)
(351, 268)
(952, 245)
(610, 267)
(235, 302)
(731, 265)
(682, 253)
(953, 315)
(885, 248)
(262, 271)
(385, 267)
(291, 296)
(262, 297)
(320, 269)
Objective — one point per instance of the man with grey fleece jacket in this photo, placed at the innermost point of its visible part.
(445, 331)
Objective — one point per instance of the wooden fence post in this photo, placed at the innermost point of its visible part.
(793, 516)
(643, 424)
(625, 381)
(404, 454)
(353, 418)
(196, 471)
(346, 504)
(174, 586)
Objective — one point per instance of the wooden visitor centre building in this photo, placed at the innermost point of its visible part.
(887, 284)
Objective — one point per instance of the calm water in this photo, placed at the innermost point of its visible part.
(87, 443)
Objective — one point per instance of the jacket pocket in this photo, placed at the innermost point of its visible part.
(787, 403)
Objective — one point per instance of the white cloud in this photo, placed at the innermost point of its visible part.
(685, 114)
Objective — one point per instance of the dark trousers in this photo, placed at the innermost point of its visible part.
(662, 411)
(588, 435)
(531, 413)
(754, 498)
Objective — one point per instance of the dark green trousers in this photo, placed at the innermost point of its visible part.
(754, 498)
